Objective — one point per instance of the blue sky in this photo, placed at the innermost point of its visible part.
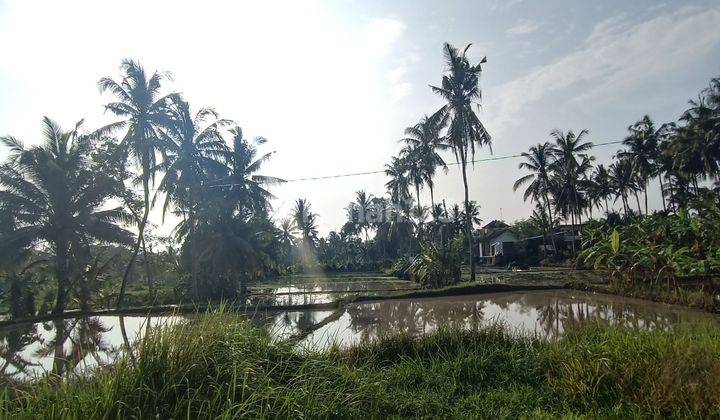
(332, 85)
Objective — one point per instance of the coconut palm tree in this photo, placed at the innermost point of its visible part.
(246, 189)
(425, 140)
(144, 111)
(460, 88)
(570, 167)
(623, 181)
(538, 160)
(412, 156)
(306, 222)
(543, 223)
(602, 187)
(473, 214)
(399, 184)
(361, 210)
(642, 150)
(191, 154)
(57, 199)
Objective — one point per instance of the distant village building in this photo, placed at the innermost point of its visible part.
(498, 244)
(496, 239)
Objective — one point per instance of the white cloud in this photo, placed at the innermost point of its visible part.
(396, 74)
(615, 55)
(522, 27)
(380, 34)
(502, 4)
(399, 91)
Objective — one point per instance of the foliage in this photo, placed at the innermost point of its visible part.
(438, 265)
(57, 200)
(219, 366)
(657, 248)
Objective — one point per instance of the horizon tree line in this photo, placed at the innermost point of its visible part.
(564, 183)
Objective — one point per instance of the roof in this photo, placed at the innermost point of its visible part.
(496, 233)
(496, 224)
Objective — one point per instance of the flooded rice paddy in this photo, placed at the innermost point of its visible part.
(75, 345)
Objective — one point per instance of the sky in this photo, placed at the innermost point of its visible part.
(333, 84)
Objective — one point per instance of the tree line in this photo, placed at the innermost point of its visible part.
(79, 191)
(684, 156)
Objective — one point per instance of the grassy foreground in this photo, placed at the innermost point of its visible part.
(222, 367)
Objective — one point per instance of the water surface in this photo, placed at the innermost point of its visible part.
(75, 345)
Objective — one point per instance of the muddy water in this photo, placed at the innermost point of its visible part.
(74, 345)
(547, 314)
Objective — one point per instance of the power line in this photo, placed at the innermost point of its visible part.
(382, 171)
(488, 159)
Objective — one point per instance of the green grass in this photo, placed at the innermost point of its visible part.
(698, 299)
(222, 367)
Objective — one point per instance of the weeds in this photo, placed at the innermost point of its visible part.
(219, 366)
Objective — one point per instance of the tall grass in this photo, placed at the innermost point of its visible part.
(219, 366)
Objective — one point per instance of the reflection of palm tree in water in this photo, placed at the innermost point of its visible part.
(412, 317)
(85, 336)
(12, 343)
(564, 315)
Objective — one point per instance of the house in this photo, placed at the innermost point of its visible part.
(496, 239)
(498, 244)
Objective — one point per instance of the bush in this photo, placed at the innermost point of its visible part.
(438, 265)
(657, 248)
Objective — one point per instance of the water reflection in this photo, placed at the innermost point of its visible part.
(72, 346)
(548, 314)
(69, 346)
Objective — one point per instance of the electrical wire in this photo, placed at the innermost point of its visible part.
(382, 171)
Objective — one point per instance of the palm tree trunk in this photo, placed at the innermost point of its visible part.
(552, 234)
(126, 342)
(572, 232)
(625, 203)
(468, 223)
(417, 194)
(579, 227)
(637, 198)
(59, 344)
(432, 197)
(662, 192)
(148, 274)
(645, 192)
(136, 248)
(607, 209)
(61, 272)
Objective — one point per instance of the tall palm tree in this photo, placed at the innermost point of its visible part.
(570, 166)
(542, 222)
(399, 184)
(602, 187)
(460, 88)
(664, 160)
(623, 181)
(362, 209)
(192, 152)
(642, 150)
(425, 140)
(538, 160)
(247, 189)
(286, 235)
(306, 222)
(415, 169)
(144, 111)
(57, 199)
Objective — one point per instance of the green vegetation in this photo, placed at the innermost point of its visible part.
(671, 258)
(680, 155)
(220, 366)
(60, 241)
